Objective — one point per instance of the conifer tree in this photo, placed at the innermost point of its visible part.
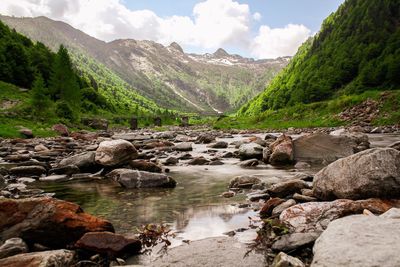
(40, 99)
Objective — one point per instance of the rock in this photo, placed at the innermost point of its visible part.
(249, 163)
(282, 150)
(286, 188)
(257, 196)
(395, 145)
(215, 163)
(24, 180)
(109, 243)
(13, 246)
(140, 179)
(228, 194)
(294, 241)
(303, 198)
(61, 129)
(244, 181)
(205, 139)
(250, 151)
(315, 216)
(320, 147)
(171, 161)
(28, 171)
(281, 207)
(84, 161)
(198, 161)
(52, 258)
(393, 213)
(359, 241)
(143, 165)
(370, 173)
(211, 252)
(302, 165)
(284, 260)
(115, 153)
(47, 221)
(54, 178)
(185, 146)
(266, 155)
(219, 144)
(268, 207)
(270, 137)
(67, 169)
(17, 157)
(27, 133)
(41, 148)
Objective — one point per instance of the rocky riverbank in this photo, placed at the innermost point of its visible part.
(296, 209)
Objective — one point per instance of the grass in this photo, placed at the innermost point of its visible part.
(319, 114)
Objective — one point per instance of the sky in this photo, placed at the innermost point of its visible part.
(251, 28)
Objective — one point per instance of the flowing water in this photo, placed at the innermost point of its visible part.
(194, 209)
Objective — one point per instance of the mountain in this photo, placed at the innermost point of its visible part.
(217, 82)
(357, 49)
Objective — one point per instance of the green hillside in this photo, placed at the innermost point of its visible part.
(357, 49)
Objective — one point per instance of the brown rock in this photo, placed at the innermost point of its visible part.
(53, 258)
(61, 129)
(269, 206)
(47, 221)
(143, 165)
(115, 152)
(109, 243)
(282, 150)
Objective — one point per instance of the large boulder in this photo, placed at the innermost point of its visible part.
(109, 243)
(250, 151)
(370, 173)
(321, 147)
(281, 150)
(359, 241)
(315, 216)
(144, 165)
(286, 188)
(84, 161)
(52, 258)
(115, 152)
(140, 179)
(47, 221)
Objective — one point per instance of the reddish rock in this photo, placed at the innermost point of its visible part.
(282, 150)
(109, 243)
(47, 221)
(61, 129)
(268, 207)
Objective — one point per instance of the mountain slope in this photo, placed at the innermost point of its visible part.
(173, 79)
(357, 49)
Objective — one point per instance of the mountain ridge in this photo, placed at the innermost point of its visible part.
(164, 74)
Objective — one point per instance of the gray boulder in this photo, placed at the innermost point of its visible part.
(284, 260)
(84, 161)
(139, 179)
(370, 173)
(115, 152)
(359, 241)
(250, 151)
(184, 146)
(245, 181)
(319, 147)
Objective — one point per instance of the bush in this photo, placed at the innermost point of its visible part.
(64, 110)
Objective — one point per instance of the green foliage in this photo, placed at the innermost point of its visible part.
(40, 99)
(356, 50)
(64, 110)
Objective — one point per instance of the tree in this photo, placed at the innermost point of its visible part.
(40, 99)
(63, 83)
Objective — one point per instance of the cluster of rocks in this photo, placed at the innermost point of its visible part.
(306, 209)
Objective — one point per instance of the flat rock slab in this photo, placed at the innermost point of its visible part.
(359, 241)
(211, 252)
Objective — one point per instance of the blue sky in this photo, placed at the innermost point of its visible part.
(252, 28)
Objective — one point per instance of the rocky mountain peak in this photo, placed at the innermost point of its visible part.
(176, 46)
(221, 53)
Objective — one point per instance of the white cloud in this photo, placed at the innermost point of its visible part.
(213, 24)
(272, 43)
